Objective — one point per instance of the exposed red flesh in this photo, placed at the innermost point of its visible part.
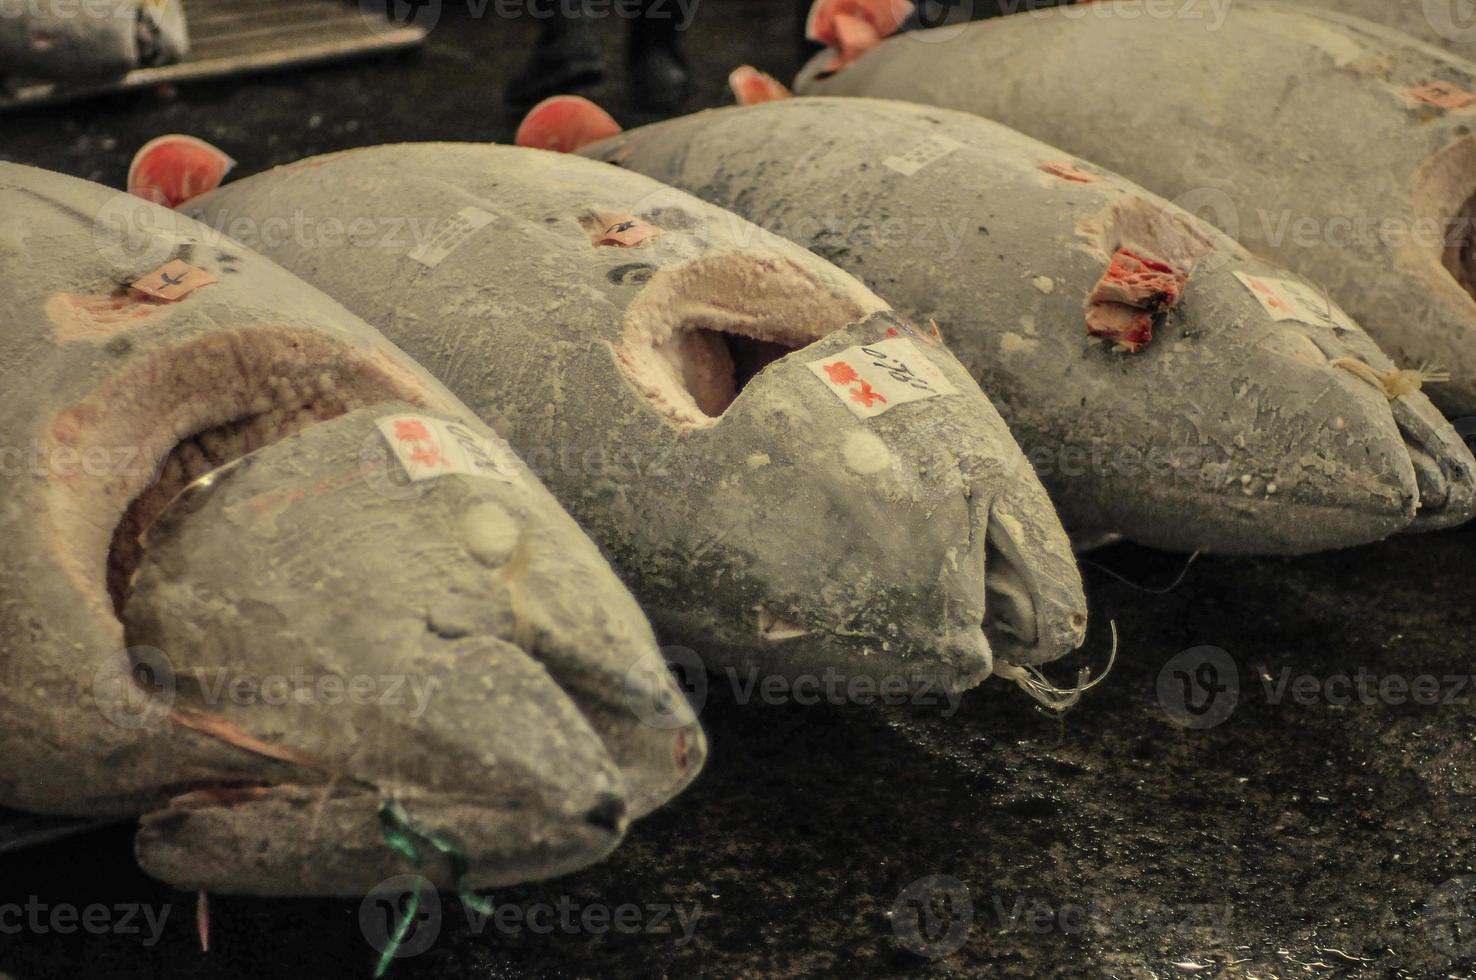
(1134, 288)
(170, 170)
(564, 123)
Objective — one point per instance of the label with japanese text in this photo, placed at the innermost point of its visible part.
(428, 447)
(1288, 300)
(450, 236)
(173, 281)
(921, 154)
(878, 377)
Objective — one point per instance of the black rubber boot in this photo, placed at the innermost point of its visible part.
(659, 79)
(568, 57)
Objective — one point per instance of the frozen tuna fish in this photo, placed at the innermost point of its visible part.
(1257, 139)
(1196, 418)
(790, 477)
(1443, 23)
(89, 37)
(141, 356)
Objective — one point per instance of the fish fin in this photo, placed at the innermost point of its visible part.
(751, 86)
(170, 170)
(564, 123)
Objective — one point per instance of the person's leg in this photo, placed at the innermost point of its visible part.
(658, 72)
(568, 55)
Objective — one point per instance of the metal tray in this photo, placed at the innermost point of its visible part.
(236, 37)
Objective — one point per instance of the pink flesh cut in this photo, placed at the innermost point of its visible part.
(564, 123)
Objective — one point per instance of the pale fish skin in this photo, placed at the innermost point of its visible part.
(1230, 431)
(115, 403)
(90, 40)
(763, 524)
(1313, 139)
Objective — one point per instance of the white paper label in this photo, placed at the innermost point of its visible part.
(1288, 300)
(450, 236)
(878, 377)
(428, 447)
(920, 155)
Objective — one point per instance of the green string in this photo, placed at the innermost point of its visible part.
(401, 837)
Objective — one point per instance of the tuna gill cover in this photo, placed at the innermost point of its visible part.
(791, 478)
(1137, 353)
(268, 492)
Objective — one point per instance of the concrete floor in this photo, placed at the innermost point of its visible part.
(1298, 837)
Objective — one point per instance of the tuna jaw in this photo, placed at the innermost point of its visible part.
(698, 334)
(219, 382)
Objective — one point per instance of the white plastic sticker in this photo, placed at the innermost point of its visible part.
(927, 151)
(428, 447)
(450, 236)
(878, 377)
(1288, 300)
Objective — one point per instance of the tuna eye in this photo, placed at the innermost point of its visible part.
(631, 272)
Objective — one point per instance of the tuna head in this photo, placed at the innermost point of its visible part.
(782, 482)
(858, 499)
(138, 363)
(383, 609)
(1168, 386)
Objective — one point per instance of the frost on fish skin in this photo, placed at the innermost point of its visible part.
(115, 404)
(1260, 142)
(53, 41)
(1231, 431)
(639, 382)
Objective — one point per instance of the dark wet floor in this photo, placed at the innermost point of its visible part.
(1323, 828)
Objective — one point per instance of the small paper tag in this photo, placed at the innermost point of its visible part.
(428, 448)
(1288, 300)
(625, 231)
(174, 280)
(927, 151)
(878, 377)
(450, 236)
(1442, 94)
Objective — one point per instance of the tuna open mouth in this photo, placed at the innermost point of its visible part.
(1445, 198)
(699, 332)
(1459, 254)
(201, 453)
(165, 420)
